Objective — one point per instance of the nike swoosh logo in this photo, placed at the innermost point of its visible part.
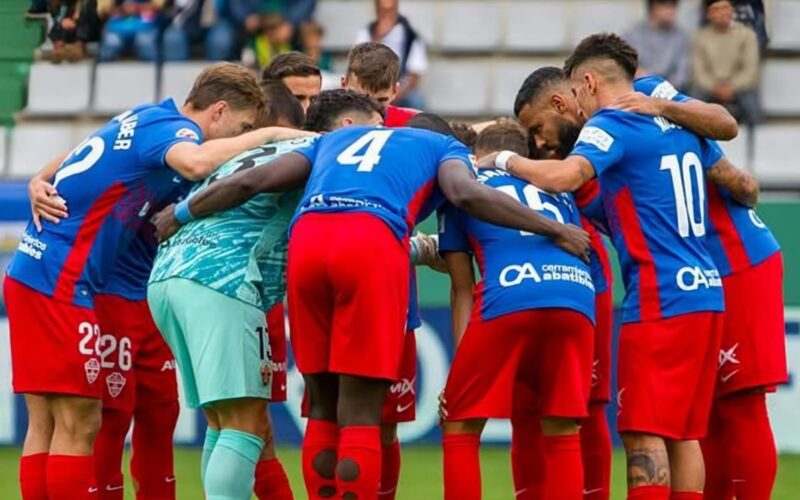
(402, 408)
(169, 479)
(112, 488)
(728, 376)
(589, 492)
(92, 490)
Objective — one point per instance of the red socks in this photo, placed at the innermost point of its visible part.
(527, 458)
(271, 481)
(108, 448)
(33, 476)
(741, 457)
(596, 454)
(462, 467)
(70, 477)
(563, 468)
(390, 470)
(686, 495)
(319, 458)
(649, 492)
(358, 470)
(152, 464)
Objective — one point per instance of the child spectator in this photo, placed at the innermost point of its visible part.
(66, 32)
(311, 34)
(132, 24)
(274, 38)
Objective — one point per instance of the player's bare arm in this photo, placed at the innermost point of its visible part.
(703, 118)
(196, 161)
(462, 284)
(460, 187)
(45, 202)
(743, 186)
(288, 172)
(556, 176)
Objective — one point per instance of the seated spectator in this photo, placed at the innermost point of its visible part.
(751, 14)
(67, 32)
(219, 25)
(38, 8)
(395, 31)
(131, 24)
(311, 34)
(725, 62)
(299, 73)
(663, 47)
(274, 38)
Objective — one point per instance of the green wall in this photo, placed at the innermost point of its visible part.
(781, 215)
(18, 40)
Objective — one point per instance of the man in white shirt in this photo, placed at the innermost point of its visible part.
(394, 30)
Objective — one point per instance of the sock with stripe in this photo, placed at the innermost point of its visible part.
(70, 476)
(563, 467)
(33, 476)
(231, 468)
(212, 435)
(390, 470)
(271, 481)
(596, 454)
(462, 466)
(320, 445)
(358, 470)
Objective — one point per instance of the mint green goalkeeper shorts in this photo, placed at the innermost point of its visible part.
(220, 343)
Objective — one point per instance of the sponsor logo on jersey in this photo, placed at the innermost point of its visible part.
(690, 279)
(168, 365)
(187, 133)
(92, 369)
(32, 247)
(664, 90)
(597, 137)
(515, 274)
(756, 220)
(115, 383)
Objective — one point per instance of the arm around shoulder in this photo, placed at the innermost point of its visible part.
(742, 185)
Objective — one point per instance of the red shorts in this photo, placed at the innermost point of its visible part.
(601, 369)
(401, 400)
(347, 278)
(667, 371)
(53, 344)
(138, 368)
(276, 327)
(549, 350)
(753, 352)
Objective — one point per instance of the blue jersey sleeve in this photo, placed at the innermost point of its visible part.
(660, 88)
(598, 144)
(162, 137)
(454, 150)
(452, 233)
(711, 153)
(310, 151)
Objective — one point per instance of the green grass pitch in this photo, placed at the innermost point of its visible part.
(421, 477)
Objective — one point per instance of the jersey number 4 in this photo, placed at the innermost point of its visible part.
(373, 141)
(687, 176)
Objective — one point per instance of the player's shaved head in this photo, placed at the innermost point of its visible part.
(607, 53)
(501, 136)
(537, 84)
(335, 108)
(432, 122)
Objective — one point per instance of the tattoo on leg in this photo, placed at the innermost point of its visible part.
(647, 466)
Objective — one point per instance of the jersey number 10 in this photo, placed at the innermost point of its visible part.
(691, 212)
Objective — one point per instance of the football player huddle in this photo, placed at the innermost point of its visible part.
(174, 234)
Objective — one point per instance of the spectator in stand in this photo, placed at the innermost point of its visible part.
(663, 46)
(311, 34)
(220, 25)
(274, 38)
(131, 24)
(300, 75)
(38, 9)
(67, 32)
(394, 30)
(725, 62)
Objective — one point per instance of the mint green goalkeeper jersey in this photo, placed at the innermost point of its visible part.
(240, 252)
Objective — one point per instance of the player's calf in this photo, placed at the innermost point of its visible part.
(108, 449)
(152, 464)
(77, 422)
(462, 465)
(40, 426)
(647, 466)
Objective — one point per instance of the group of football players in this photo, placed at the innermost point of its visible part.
(265, 190)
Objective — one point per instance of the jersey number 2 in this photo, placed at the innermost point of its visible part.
(373, 141)
(96, 147)
(691, 212)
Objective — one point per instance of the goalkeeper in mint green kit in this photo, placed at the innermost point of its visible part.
(210, 289)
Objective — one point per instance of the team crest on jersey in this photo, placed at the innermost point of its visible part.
(596, 137)
(664, 90)
(92, 369)
(115, 383)
(188, 133)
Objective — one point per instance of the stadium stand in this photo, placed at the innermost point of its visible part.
(120, 86)
(42, 100)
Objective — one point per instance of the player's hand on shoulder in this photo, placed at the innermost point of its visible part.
(45, 203)
(636, 102)
(166, 223)
(574, 240)
(487, 161)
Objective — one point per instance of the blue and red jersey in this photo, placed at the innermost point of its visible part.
(593, 216)
(389, 173)
(737, 238)
(652, 183)
(113, 183)
(519, 270)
